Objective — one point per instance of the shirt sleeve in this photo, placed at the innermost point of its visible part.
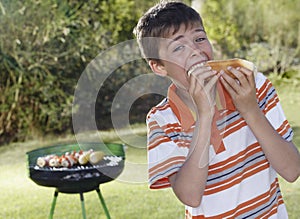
(269, 103)
(164, 156)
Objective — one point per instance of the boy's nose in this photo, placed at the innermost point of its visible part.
(195, 50)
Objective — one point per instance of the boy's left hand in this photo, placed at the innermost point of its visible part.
(242, 90)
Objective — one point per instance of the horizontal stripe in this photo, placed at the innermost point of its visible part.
(252, 204)
(266, 203)
(240, 183)
(235, 159)
(165, 165)
(235, 126)
(252, 161)
(284, 129)
(161, 184)
(158, 141)
(225, 184)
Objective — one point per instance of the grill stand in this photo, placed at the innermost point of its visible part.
(103, 203)
(53, 204)
(82, 204)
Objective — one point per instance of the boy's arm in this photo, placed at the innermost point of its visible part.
(189, 182)
(282, 155)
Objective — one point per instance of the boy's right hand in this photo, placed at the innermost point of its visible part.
(202, 89)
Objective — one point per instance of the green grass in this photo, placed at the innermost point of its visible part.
(22, 198)
(290, 100)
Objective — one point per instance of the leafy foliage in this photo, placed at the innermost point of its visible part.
(266, 32)
(43, 50)
(45, 45)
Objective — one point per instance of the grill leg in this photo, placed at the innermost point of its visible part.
(103, 203)
(82, 206)
(53, 204)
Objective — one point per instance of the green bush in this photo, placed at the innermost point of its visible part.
(46, 45)
(265, 32)
(44, 48)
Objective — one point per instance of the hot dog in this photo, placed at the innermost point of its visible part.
(219, 65)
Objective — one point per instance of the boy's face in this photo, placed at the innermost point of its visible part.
(180, 51)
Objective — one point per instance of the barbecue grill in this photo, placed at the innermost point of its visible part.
(77, 178)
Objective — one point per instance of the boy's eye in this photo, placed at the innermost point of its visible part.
(200, 39)
(177, 48)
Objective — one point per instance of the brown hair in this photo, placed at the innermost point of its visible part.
(157, 23)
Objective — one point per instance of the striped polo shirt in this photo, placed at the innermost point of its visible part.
(241, 183)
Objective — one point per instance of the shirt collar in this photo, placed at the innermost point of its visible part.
(180, 109)
(183, 112)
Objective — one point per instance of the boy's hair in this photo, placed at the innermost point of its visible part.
(157, 23)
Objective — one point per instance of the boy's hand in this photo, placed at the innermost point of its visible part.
(242, 90)
(203, 89)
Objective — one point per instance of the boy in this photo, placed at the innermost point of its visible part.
(219, 163)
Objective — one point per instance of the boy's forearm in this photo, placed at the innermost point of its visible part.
(189, 183)
(282, 155)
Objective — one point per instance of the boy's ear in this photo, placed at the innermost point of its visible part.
(157, 68)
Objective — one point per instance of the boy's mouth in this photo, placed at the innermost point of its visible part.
(194, 67)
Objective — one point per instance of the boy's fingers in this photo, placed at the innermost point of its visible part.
(203, 76)
(243, 76)
(237, 73)
(211, 81)
(246, 71)
(250, 74)
(228, 82)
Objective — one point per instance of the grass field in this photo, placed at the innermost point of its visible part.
(22, 198)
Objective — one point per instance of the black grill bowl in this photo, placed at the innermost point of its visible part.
(77, 179)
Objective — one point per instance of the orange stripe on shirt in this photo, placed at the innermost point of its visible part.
(271, 104)
(253, 203)
(161, 184)
(158, 108)
(151, 124)
(284, 128)
(171, 127)
(165, 165)
(250, 147)
(157, 141)
(246, 206)
(237, 178)
(264, 90)
(234, 160)
(273, 210)
(234, 126)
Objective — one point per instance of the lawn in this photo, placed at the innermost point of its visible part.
(22, 198)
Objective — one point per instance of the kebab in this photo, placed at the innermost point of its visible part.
(70, 159)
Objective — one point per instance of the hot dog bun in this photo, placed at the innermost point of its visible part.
(219, 65)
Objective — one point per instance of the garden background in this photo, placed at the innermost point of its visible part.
(45, 46)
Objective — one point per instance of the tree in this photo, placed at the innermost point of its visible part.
(45, 48)
(266, 32)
